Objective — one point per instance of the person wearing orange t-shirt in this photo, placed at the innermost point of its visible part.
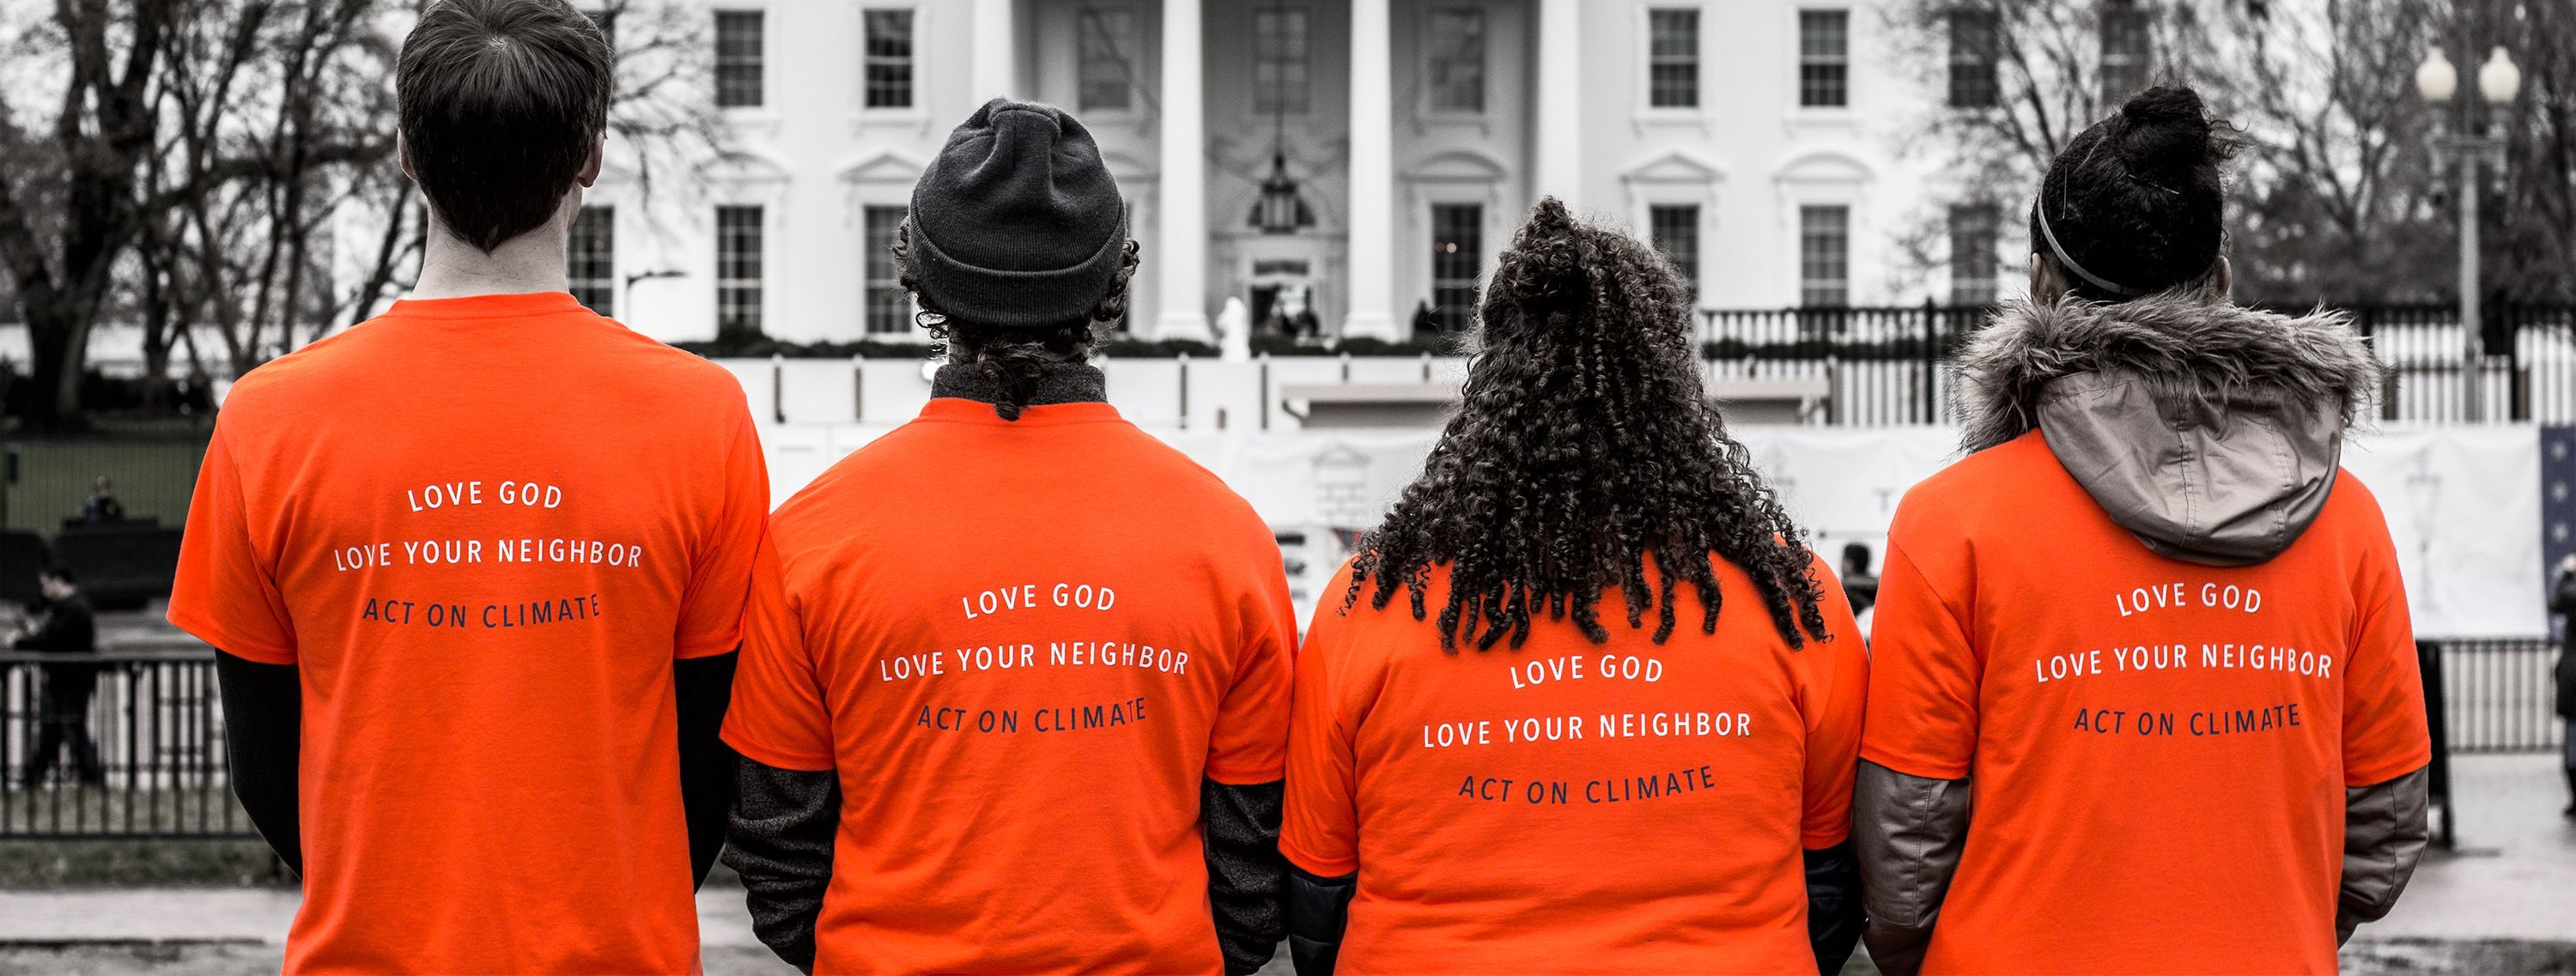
(2148, 624)
(1525, 737)
(476, 567)
(1014, 696)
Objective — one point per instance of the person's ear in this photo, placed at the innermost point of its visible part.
(402, 152)
(2223, 278)
(590, 167)
(2046, 283)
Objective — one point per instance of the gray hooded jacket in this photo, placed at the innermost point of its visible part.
(2212, 433)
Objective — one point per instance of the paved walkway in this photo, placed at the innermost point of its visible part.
(2514, 876)
(238, 915)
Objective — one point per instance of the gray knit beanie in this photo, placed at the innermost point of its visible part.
(1017, 224)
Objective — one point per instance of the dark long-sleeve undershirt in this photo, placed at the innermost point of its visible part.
(1319, 908)
(1834, 914)
(263, 738)
(784, 822)
(703, 686)
(1239, 827)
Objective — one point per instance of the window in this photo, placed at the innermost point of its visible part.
(738, 58)
(1672, 58)
(590, 259)
(1675, 231)
(1279, 60)
(1457, 244)
(1976, 42)
(889, 309)
(1458, 60)
(1973, 227)
(738, 282)
(2124, 50)
(889, 69)
(1824, 58)
(1824, 256)
(1106, 76)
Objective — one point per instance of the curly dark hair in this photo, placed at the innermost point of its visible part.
(1013, 358)
(1585, 444)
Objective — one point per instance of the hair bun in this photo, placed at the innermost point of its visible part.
(1549, 252)
(1550, 217)
(2165, 135)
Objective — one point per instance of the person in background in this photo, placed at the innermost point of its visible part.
(102, 505)
(64, 627)
(1525, 736)
(2149, 622)
(477, 565)
(2562, 601)
(1015, 693)
(1860, 586)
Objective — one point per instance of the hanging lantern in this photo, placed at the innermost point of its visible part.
(1280, 210)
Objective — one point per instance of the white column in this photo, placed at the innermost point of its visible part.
(1181, 233)
(997, 51)
(1557, 168)
(1372, 209)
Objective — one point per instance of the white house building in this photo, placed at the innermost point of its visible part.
(1757, 142)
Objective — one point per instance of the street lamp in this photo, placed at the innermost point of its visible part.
(2465, 150)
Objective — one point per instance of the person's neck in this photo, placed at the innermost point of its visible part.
(1060, 382)
(530, 262)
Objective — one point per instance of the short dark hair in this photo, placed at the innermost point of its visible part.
(59, 572)
(1856, 552)
(2138, 199)
(500, 100)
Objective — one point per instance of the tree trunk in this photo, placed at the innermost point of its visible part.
(54, 338)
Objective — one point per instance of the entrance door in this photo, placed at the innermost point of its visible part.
(1281, 295)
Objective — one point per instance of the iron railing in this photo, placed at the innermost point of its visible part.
(158, 729)
(1889, 365)
(158, 726)
(2496, 694)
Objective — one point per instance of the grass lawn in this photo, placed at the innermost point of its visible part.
(154, 476)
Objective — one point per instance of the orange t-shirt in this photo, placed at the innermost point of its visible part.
(1021, 645)
(2159, 749)
(483, 527)
(1569, 806)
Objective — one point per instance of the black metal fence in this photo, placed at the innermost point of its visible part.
(2495, 694)
(157, 728)
(140, 753)
(1888, 365)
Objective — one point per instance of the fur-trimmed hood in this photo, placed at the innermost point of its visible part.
(2211, 431)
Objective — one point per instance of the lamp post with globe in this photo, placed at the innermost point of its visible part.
(2462, 152)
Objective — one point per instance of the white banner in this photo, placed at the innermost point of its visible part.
(2463, 503)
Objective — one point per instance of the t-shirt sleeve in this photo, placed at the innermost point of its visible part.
(1248, 744)
(2384, 730)
(1319, 831)
(1924, 670)
(225, 590)
(1836, 692)
(778, 717)
(711, 609)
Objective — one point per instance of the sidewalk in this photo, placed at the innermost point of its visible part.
(238, 915)
(2514, 876)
